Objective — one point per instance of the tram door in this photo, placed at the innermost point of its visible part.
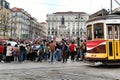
(113, 43)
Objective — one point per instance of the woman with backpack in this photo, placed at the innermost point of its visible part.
(40, 53)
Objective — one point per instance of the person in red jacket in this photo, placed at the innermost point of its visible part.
(73, 51)
(1, 51)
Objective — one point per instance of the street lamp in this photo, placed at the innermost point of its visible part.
(78, 35)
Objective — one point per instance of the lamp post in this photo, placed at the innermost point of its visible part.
(78, 35)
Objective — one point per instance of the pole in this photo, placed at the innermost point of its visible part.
(78, 37)
(4, 23)
(117, 2)
(29, 28)
(111, 7)
(4, 32)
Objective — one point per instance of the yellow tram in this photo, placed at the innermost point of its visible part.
(103, 37)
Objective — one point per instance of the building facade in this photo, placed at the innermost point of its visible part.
(23, 25)
(5, 14)
(67, 24)
(44, 29)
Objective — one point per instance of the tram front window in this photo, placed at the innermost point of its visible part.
(89, 32)
(98, 30)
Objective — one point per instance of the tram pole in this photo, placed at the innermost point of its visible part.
(111, 7)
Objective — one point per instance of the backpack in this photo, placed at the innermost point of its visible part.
(82, 46)
(39, 52)
(46, 49)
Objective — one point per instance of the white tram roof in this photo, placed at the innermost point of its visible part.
(104, 15)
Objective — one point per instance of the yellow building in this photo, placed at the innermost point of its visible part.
(5, 14)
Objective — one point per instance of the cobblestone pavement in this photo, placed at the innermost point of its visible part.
(57, 71)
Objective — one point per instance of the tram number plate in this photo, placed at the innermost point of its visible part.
(93, 55)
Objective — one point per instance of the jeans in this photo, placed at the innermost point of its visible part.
(59, 54)
(82, 54)
(15, 58)
(52, 56)
(21, 56)
(46, 56)
(40, 57)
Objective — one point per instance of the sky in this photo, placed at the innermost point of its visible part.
(40, 8)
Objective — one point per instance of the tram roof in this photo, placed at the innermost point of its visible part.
(104, 14)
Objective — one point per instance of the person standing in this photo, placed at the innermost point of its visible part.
(64, 51)
(58, 51)
(40, 53)
(52, 51)
(15, 53)
(22, 51)
(82, 49)
(73, 51)
(4, 52)
(9, 53)
(46, 54)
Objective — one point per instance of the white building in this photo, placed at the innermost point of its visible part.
(23, 25)
(20, 23)
(44, 29)
(67, 24)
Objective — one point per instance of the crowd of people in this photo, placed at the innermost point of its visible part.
(39, 51)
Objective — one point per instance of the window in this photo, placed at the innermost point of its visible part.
(89, 32)
(56, 33)
(81, 17)
(52, 23)
(113, 31)
(48, 24)
(49, 18)
(110, 35)
(68, 32)
(48, 33)
(116, 32)
(73, 24)
(98, 30)
(73, 33)
(52, 32)
(63, 20)
(56, 18)
(48, 28)
(68, 23)
(52, 28)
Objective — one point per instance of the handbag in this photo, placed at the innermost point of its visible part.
(75, 49)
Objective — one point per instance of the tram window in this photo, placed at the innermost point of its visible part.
(116, 32)
(98, 30)
(110, 32)
(89, 33)
(119, 31)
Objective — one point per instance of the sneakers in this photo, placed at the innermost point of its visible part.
(2, 62)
